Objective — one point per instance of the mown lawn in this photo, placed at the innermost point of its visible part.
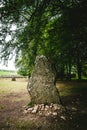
(8, 86)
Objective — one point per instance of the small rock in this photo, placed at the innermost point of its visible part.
(62, 117)
(42, 104)
(74, 109)
(36, 107)
(49, 113)
(30, 109)
(45, 109)
(42, 108)
(47, 106)
(54, 113)
(24, 106)
(39, 106)
(40, 113)
(34, 111)
(56, 107)
(51, 106)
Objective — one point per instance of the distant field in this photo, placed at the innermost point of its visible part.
(2, 73)
(7, 86)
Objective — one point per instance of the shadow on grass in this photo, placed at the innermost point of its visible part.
(76, 103)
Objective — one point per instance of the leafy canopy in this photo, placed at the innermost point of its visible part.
(57, 29)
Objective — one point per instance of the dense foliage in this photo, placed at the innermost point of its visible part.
(55, 28)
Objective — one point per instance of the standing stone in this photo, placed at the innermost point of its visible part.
(41, 86)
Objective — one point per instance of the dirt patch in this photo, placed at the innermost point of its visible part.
(12, 116)
(11, 105)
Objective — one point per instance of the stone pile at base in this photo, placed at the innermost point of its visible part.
(41, 85)
(45, 110)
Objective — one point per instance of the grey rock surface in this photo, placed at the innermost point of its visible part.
(41, 85)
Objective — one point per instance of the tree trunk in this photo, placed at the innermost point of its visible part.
(79, 69)
(62, 72)
(69, 74)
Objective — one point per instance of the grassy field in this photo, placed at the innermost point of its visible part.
(4, 72)
(14, 96)
(7, 86)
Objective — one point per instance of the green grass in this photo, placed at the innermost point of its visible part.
(72, 88)
(74, 94)
(7, 86)
(2, 73)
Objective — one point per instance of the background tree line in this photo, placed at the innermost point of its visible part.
(54, 28)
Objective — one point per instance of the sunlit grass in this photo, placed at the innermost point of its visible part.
(2, 73)
(7, 86)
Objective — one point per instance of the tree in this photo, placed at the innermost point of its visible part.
(56, 29)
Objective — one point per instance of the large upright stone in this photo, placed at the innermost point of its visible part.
(41, 85)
